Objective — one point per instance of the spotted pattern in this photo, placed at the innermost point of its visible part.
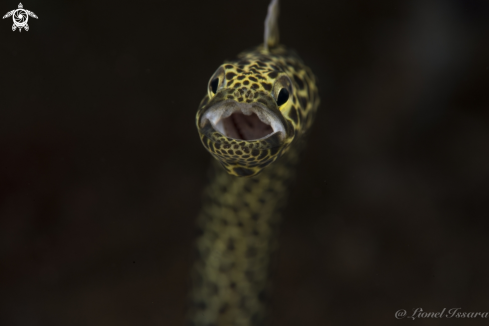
(251, 78)
(236, 233)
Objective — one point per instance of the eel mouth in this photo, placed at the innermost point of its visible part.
(243, 121)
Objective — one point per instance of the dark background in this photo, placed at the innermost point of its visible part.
(101, 167)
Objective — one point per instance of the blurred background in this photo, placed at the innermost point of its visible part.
(101, 167)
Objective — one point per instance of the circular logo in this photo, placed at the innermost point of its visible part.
(20, 17)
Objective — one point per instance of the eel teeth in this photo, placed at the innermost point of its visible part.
(246, 121)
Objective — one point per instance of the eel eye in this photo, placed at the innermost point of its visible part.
(282, 90)
(214, 84)
(283, 96)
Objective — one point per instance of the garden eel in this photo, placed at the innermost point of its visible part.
(256, 113)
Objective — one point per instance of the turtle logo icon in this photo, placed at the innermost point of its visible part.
(20, 17)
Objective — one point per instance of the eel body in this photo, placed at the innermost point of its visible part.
(253, 121)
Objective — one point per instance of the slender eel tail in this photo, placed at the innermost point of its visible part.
(271, 26)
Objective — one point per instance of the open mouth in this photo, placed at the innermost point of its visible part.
(244, 121)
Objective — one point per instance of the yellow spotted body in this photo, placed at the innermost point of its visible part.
(239, 221)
